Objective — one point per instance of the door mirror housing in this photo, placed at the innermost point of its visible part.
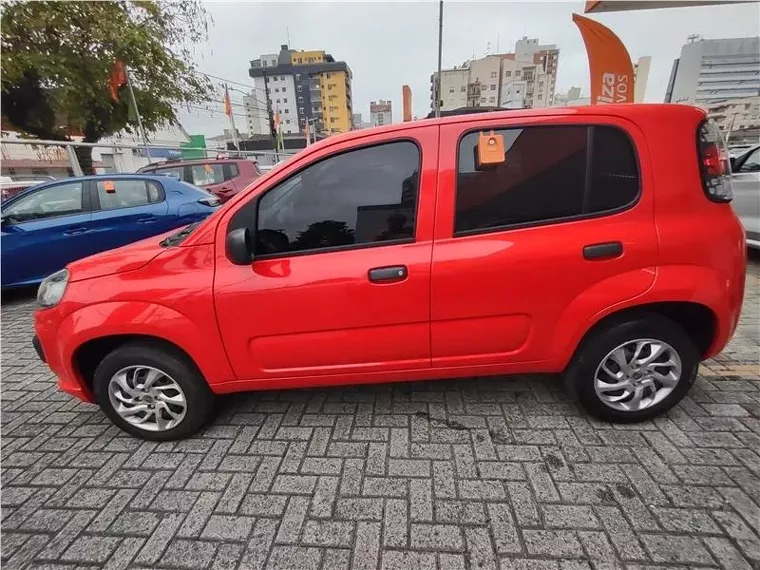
(238, 246)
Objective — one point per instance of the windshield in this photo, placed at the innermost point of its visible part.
(179, 237)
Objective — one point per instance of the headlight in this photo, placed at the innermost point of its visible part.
(52, 289)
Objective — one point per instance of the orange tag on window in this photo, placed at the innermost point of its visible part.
(491, 149)
(109, 186)
(208, 169)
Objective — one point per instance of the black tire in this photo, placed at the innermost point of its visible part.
(579, 376)
(199, 397)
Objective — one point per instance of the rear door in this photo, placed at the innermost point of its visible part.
(214, 177)
(746, 202)
(126, 210)
(525, 247)
(43, 231)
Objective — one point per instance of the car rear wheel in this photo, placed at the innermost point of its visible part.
(633, 370)
(152, 392)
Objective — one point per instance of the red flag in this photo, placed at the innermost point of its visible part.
(117, 79)
(227, 102)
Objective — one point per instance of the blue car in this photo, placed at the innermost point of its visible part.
(52, 224)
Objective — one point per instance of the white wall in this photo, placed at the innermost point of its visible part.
(257, 121)
(487, 71)
(282, 92)
(454, 88)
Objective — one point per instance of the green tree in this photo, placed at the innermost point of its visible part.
(57, 59)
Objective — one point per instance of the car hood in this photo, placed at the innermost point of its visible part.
(119, 260)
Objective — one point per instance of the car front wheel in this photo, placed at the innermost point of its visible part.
(152, 392)
(633, 370)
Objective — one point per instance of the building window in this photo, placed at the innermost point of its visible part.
(493, 87)
(283, 90)
(300, 99)
(300, 110)
(507, 196)
(492, 99)
(463, 88)
(278, 100)
(540, 96)
(494, 74)
(298, 75)
(482, 99)
(284, 100)
(517, 73)
(330, 86)
(276, 89)
(451, 89)
(286, 111)
(311, 60)
(287, 121)
(332, 119)
(300, 89)
(274, 63)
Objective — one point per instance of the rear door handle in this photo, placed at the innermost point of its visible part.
(75, 231)
(606, 250)
(388, 274)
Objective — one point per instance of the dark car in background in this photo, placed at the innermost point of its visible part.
(224, 177)
(46, 227)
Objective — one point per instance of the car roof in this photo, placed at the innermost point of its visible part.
(172, 163)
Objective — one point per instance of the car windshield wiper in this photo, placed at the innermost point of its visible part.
(179, 237)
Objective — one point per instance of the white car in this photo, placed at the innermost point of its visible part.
(746, 184)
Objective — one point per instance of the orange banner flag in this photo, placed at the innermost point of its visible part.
(227, 102)
(609, 63)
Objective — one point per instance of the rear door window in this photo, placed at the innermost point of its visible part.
(545, 177)
(230, 171)
(207, 174)
(115, 194)
(50, 202)
(177, 171)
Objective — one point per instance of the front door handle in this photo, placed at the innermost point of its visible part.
(75, 231)
(146, 220)
(388, 274)
(606, 250)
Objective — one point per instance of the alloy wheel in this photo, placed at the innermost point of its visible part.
(147, 398)
(637, 374)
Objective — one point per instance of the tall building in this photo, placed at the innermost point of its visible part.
(709, 71)
(640, 78)
(522, 79)
(303, 86)
(380, 113)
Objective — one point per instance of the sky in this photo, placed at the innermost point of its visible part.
(389, 44)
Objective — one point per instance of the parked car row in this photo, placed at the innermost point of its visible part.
(47, 225)
(565, 241)
(746, 182)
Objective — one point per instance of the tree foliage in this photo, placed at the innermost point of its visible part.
(57, 59)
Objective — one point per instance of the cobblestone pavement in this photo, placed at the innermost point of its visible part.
(460, 474)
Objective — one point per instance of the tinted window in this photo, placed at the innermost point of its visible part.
(544, 177)
(207, 174)
(230, 171)
(363, 196)
(60, 200)
(176, 171)
(114, 194)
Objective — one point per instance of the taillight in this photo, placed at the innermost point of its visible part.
(714, 163)
(211, 201)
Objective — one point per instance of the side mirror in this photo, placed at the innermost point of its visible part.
(239, 247)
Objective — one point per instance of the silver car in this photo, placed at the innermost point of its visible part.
(746, 184)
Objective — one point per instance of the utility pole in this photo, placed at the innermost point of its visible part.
(440, 53)
(137, 112)
(270, 113)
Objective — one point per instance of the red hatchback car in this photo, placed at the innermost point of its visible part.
(223, 177)
(567, 241)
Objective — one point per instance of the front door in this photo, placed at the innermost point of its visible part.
(341, 278)
(43, 231)
(523, 247)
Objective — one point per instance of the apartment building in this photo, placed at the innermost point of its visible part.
(710, 71)
(524, 78)
(302, 86)
(380, 113)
